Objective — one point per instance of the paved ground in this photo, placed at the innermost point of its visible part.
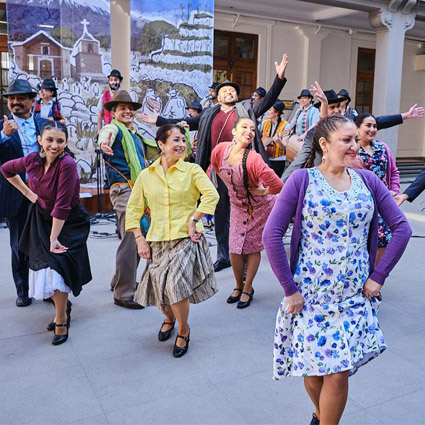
(113, 370)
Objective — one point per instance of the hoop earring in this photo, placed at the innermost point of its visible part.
(41, 152)
(62, 155)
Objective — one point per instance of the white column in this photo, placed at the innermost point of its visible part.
(120, 39)
(390, 32)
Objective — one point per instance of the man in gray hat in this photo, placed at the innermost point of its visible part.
(214, 126)
(18, 138)
(125, 153)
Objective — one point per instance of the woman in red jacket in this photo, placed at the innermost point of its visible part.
(252, 186)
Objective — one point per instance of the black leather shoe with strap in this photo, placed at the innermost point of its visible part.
(245, 304)
(232, 299)
(165, 335)
(181, 351)
(60, 339)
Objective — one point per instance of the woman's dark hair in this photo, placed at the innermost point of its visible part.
(164, 132)
(360, 118)
(245, 169)
(324, 128)
(55, 125)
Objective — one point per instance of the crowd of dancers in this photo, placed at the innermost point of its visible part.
(225, 159)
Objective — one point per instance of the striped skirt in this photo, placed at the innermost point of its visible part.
(176, 270)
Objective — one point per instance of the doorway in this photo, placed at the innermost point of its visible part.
(365, 80)
(45, 68)
(235, 59)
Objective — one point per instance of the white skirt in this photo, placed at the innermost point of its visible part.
(43, 283)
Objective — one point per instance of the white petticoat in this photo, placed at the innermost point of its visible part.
(43, 283)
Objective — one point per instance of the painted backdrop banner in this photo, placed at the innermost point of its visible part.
(171, 55)
(69, 41)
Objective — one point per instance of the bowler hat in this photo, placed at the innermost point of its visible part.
(49, 84)
(121, 96)
(332, 98)
(20, 86)
(195, 105)
(279, 106)
(228, 83)
(306, 93)
(260, 91)
(344, 93)
(115, 73)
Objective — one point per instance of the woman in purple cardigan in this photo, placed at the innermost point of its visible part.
(378, 158)
(327, 326)
(57, 227)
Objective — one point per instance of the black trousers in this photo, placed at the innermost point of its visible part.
(278, 167)
(19, 262)
(222, 222)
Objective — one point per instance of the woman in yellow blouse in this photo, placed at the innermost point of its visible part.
(179, 269)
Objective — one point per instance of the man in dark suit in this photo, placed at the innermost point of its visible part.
(214, 126)
(18, 138)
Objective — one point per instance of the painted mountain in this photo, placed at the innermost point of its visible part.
(32, 15)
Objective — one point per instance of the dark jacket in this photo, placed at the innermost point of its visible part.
(11, 198)
(203, 122)
(383, 122)
(416, 188)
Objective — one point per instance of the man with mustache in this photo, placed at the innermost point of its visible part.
(18, 138)
(104, 117)
(214, 126)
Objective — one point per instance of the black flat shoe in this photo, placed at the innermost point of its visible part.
(315, 420)
(245, 304)
(60, 339)
(49, 300)
(51, 325)
(232, 300)
(221, 265)
(181, 351)
(164, 336)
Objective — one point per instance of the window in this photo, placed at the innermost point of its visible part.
(90, 48)
(365, 80)
(45, 50)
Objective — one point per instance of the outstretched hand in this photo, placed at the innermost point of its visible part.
(399, 199)
(281, 67)
(317, 91)
(414, 112)
(148, 119)
(106, 145)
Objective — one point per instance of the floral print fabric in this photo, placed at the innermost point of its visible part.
(337, 329)
(378, 164)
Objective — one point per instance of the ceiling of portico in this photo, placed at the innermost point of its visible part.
(345, 14)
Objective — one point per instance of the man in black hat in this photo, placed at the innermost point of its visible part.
(194, 109)
(103, 116)
(345, 100)
(211, 98)
(330, 104)
(258, 94)
(214, 126)
(115, 139)
(306, 116)
(18, 138)
(47, 105)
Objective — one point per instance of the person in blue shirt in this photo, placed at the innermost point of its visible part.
(18, 138)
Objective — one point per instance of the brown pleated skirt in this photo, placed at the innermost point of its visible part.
(176, 270)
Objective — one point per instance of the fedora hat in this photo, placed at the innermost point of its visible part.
(195, 105)
(228, 83)
(306, 93)
(344, 93)
(116, 73)
(49, 84)
(213, 86)
(332, 98)
(20, 87)
(260, 91)
(121, 96)
(279, 106)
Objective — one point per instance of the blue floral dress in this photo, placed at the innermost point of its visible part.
(337, 329)
(378, 164)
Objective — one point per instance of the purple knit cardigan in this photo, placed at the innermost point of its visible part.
(289, 205)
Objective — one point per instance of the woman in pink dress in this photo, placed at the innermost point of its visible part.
(252, 186)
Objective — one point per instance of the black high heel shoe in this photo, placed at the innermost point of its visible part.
(181, 351)
(165, 335)
(232, 300)
(245, 304)
(60, 339)
(51, 325)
